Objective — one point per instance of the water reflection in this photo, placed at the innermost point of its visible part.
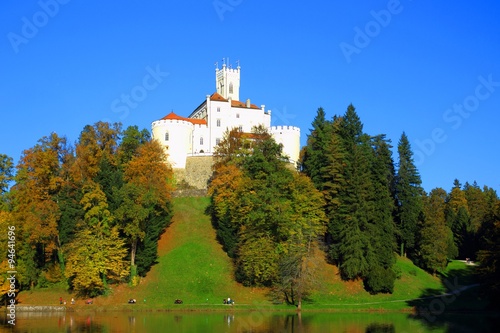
(380, 328)
(230, 322)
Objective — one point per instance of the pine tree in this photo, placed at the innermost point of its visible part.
(381, 226)
(347, 191)
(313, 159)
(6, 176)
(489, 254)
(409, 197)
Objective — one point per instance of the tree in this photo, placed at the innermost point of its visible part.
(96, 256)
(409, 197)
(313, 159)
(6, 176)
(297, 264)
(234, 147)
(38, 181)
(381, 228)
(489, 254)
(266, 216)
(97, 253)
(145, 196)
(347, 184)
(225, 190)
(434, 234)
(131, 141)
(95, 143)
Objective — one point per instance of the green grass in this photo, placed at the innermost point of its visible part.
(340, 295)
(193, 267)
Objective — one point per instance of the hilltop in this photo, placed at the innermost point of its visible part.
(193, 267)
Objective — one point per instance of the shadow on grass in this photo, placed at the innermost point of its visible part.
(460, 307)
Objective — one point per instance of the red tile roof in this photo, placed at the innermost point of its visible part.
(238, 104)
(217, 97)
(194, 121)
(235, 104)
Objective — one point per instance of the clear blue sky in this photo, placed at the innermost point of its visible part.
(431, 69)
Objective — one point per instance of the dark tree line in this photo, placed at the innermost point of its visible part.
(377, 208)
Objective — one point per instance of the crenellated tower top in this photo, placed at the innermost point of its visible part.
(227, 81)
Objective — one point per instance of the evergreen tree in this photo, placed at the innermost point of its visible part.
(132, 139)
(110, 177)
(6, 176)
(347, 193)
(381, 226)
(409, 197)
(313, 159)
(489, 254)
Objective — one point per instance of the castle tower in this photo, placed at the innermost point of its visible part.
(289, 137)
(227, 81)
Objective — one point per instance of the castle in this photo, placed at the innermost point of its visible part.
(190, 141)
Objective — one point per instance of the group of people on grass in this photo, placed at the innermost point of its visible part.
(73, 302)
(133, 301)
(228, 301)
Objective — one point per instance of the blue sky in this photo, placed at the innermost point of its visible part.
(431, 69)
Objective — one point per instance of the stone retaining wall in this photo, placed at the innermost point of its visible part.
(39, 308)
(197, 173)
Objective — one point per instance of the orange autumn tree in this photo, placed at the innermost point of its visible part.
(146, 209)
(225, 189)
(96, 142)
(35, 210)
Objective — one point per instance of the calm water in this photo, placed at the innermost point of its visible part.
(241, 322)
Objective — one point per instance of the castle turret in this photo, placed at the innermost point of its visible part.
(227, 81)
(289, 137)
(175, 134)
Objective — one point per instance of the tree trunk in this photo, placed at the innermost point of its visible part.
(133, 250)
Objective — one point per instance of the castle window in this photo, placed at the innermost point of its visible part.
(217, 141)
(201, 141)
(237, 115)
(167, 136)
(240, 128)
(218, 109)
(218, 122)
(231, 88)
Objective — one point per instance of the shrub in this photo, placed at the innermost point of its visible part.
(380, 280)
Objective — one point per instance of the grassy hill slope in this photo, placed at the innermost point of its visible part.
(193, 267)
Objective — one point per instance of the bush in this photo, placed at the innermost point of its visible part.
(380, 280)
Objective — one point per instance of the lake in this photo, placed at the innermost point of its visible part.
(241, 322)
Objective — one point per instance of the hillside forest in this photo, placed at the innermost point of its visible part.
(88, 215)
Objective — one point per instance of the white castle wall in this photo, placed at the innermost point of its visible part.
(289, 136)
(184, 138)
(234, 117)
(201, 146)
(179, 142)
